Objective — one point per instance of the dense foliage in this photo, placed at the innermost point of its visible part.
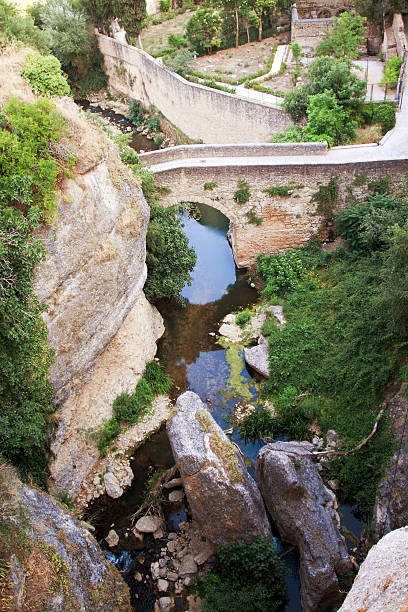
(245, 577)
(391, 71)
(332, 98)
(129, 13)
(345, 37)
(44, 75)
(345, 334)
(73, 42)
(15, 27)
(203, 30)
(27, 195)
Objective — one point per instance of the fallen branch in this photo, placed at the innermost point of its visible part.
(334, 453)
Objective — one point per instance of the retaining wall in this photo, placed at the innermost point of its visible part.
(200, 112)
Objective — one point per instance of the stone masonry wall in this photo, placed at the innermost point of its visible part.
(250, 150)
(287, 221)
(200, 112)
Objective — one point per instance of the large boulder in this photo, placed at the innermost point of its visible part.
(223, 498)
(304, 512)
(257, 357)
(55, 563)
(382, 582)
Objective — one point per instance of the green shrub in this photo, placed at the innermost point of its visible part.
(210, 185)
(137, 113)
(28, 172)
(164, 5)
(16, 27)
(45, 76)
(384, 114)
(176, 41)
(253, 217)
(158, 380)
(280, 190)
(326, 197)
(158, 139)
(132, 407)
(180, 62)
(281, 272)
(245, 577)
(296, 102)
(392, 71)
(109, 431)
(243, 317)
(153, 124)
(28, 175)
(242, 194)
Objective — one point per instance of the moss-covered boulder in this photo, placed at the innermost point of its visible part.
(223, 498)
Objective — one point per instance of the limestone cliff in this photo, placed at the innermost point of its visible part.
(101, 326)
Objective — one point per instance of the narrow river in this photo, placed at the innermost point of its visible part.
(191, 355)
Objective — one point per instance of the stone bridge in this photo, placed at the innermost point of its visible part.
(211, 174)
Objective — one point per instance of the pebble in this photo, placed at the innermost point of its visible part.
(162, 585)
(165, 604)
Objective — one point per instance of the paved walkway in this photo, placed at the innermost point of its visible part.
(394, 146)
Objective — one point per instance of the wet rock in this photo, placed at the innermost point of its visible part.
(382, 582)
(223, 498)
(165, 604)
(138, 577)
(304, 512)
(112, 539)
(113, 488)
(155, 570)
(257, 358)
(207, 550)
(189, 581)
(162, 585)
(171, 547)
(188, 566)
(176, 496)
(158, 534)
(172, 576)
(148, 524)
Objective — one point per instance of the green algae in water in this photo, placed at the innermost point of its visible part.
(241, 386)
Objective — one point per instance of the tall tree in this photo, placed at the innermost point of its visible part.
(345, 38)
(129, 13)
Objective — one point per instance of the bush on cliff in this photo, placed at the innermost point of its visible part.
(27, 196)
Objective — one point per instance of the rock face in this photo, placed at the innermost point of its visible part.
(99, 322)
(95, 265)
(304, 512)
(382, 582)
(223, 498)
(391, 508)
(59, 566)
